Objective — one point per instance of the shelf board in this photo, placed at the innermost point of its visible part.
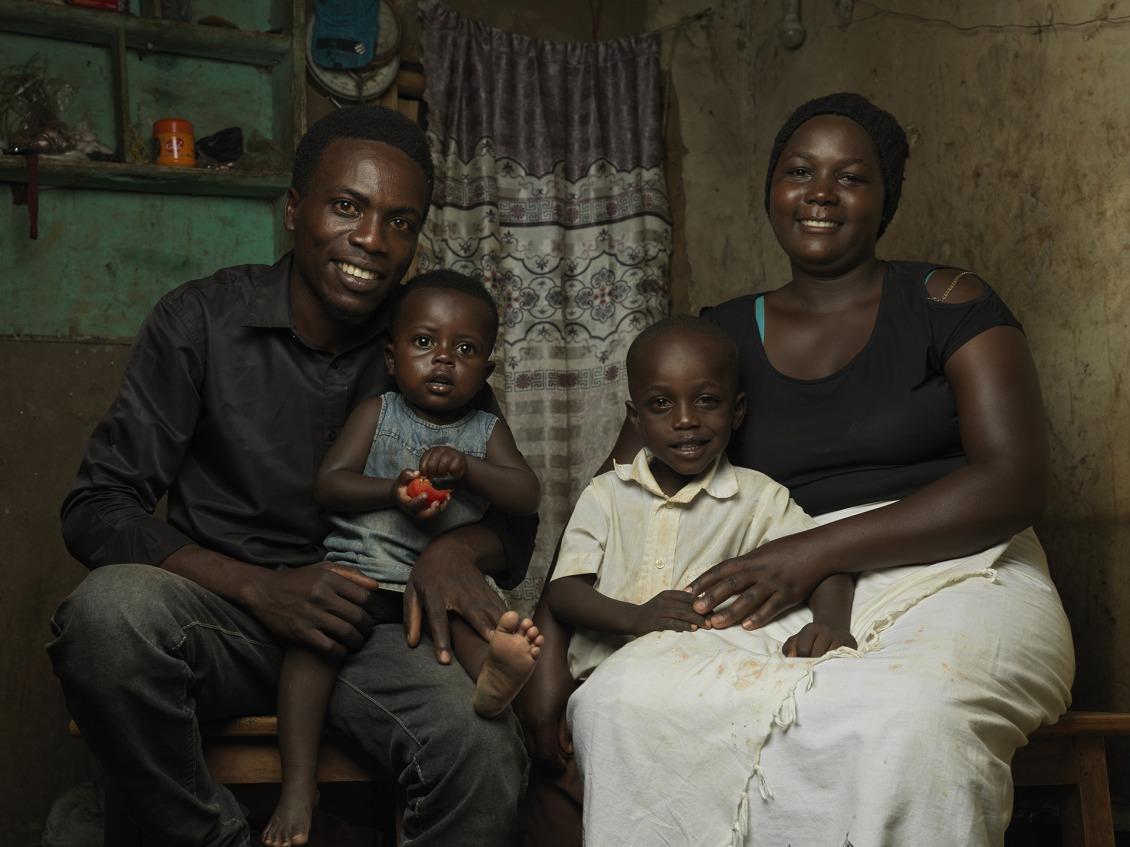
(148, 35)
(160, 179)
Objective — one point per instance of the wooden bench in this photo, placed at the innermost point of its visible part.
(242, 751)
(1070, 753)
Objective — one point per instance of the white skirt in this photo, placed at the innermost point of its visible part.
(714, 739)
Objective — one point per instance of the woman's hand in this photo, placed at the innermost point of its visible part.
(764, 583)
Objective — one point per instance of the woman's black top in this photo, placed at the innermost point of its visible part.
(880, 428)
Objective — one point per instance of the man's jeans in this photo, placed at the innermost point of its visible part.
(143, 655)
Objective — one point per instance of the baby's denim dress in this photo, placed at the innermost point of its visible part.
(384, 544)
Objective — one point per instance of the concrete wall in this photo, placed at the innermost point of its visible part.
(54, 394)
(1018, 170)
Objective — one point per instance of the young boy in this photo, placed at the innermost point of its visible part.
(642, 532)
(377, 480)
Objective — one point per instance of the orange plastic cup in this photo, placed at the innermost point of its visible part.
(174, 142)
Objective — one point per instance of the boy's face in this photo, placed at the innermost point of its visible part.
(440, 351)
(684, 403)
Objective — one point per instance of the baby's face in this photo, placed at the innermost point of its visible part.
(440, 351)
(684, 402)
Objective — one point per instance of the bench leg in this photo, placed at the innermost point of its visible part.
(1086, 819)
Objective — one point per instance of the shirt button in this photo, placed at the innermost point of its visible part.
(659, 563)
(333, 365)
(331, 436)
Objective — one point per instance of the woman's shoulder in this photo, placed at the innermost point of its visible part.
(952, 304)
(938, 283)
(955, 285)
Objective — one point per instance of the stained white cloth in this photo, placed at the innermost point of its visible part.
(713, 739)
(637, 541)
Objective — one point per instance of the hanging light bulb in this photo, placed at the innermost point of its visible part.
(791, 31)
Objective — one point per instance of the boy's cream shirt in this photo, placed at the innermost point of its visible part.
(639, 542)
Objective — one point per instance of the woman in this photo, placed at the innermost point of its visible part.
(899, 402)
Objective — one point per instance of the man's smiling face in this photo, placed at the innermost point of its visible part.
(355, 227)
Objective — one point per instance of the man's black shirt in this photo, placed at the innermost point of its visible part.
(227, 410)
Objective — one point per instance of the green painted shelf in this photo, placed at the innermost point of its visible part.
(107, 249)
(148, 35)
(112, 176)
(280, 56)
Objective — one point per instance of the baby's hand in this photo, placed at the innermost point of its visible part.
(667, 610)
(443, 462)
(816, 639)
(421, 506)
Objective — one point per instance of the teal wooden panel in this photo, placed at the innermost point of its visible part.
(103, 258)
(211, 95)
(87, 68)
(250, 17)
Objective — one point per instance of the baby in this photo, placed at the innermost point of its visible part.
(407, 467)
(643, 531)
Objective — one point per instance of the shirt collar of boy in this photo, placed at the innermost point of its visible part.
(719, 480)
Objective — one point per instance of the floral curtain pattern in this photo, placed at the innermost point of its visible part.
(550, 189)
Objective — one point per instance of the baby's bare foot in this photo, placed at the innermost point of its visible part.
(290, 824)
(511, 655)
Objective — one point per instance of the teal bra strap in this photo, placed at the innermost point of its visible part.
(927, 279)
(759, 315)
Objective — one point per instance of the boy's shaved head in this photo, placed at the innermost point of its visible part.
(682, 327)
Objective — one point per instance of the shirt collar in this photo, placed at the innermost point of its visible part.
(718, 481)
(270, 298)
(270, 301)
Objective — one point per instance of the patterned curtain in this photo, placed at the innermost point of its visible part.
(550, 189)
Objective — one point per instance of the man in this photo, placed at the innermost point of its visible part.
(235, 388)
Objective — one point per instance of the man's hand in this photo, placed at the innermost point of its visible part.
(317, 606)
(667, 610)
(446, 579)
(765, 583)
(443, 462)
(816, 639)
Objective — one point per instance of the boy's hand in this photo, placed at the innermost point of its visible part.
(421, 506)
(816, 639)
(443, 462)
(667, 610)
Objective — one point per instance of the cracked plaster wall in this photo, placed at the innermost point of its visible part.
(1018, 170)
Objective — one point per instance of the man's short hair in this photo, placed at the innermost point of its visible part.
(446, 279)
(683, 325)
(371, 123)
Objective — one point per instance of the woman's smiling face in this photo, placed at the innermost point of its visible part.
(826, 199)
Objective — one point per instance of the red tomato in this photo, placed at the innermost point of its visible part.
(423, 485)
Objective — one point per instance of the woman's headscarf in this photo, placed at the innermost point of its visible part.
(884, 130)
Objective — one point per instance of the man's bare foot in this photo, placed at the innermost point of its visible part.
(511, 655)
(290, 824)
